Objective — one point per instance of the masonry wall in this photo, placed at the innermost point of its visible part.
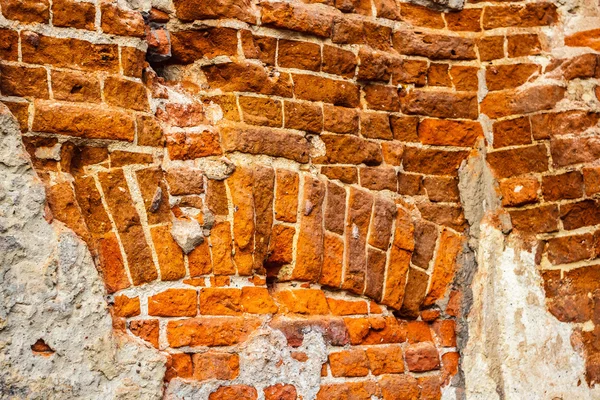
(242, 170)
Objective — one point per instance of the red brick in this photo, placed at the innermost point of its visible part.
(421, 16)
(574, 151)
(541, 219)
(344, 307)
(9, 45)
(221, 249)
(20, 110)
(299, 55)
(587, 38)
(75, 86)
(215, 9)
(126, 93)
(192, 45)
(69, 53)
(339, 62)
(375, 65)
(580, 214)
(343, 174)
(550, 125)
(444, 266)
(111, 264)
(568, 249)
(449, 133)
(528, 15)
(378, 178)
(399, 262)
(297, 17)
(349, 391)
(336, 92)
(410, 184)
(345, 149)
(385, 360)
(512, 132)
(399, 387)
(510, 76)
(421, 357)
(519, 191)
(259, 47)
(303, 116)
(303, 301)
(146, 329)
(564, 186)
(179, 365)
(357, 224)
(537, 98)
(440, 104)
(335, 209)
(261, 111)
(251, 140)
(122, 22)
(414, 292)
(524, 45)
(27, 11)
(518, 161)
(247, 77)
(375, 275)
(491, 48)
(309, 252)
(354, 6)
(23, 81)
(280, 392)
(340, 119)
(465, 78)
(70, 13)
(235, 392)
(466, 20)
(133, 61)
(434, 47)
(257, 300)
(83, 121)
(331, 272)
(434, 162)
(383, 98)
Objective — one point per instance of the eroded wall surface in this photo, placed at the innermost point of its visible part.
(333, 200)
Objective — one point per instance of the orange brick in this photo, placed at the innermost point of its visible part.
(146, 329)
(444, 265)
(170, 255)
(211, 331)
(122, 22)
(303, 301)
(23, 81)
(126, 307)
(220, 239)
(27, 11)
(174, 303)
(126, 93)
(236, 392)
(179, 365)
(385, 360)
(215, 301)
(344, 307)
(212, 365)
(280, 392)
(421, 357)
(257, 301)
(74, 14)
(349, 363)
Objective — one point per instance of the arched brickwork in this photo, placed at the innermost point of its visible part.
(316, 147)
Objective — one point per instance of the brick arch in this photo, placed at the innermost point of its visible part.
(318, 149)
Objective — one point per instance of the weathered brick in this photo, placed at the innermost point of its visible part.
(349, 363)
(440, 104)
(23, 81)
(210, 331)
(118, 21)
(580, 214)
(309, 253)
(524, 45)
(541, 219)
(286, 198)
(528, 15)
(545, 126)
(378, 178)
(192, 45)
(262, 48)
(299, 17)
(444, 266)
(519, 191)
(69, 53)
(335, 208)
(509, 76)
(421, 16)
(383, 98)
(375, 330)
(331, 272)
(170, 255)
(568, 249)
(345, 149)
(340, 119)
(111, 264)
(518, 161)
(27, 11)
(173, 303)
(299, 55)
(449, 133)
(339, 62)
(536, 98)
(343, 174)
(74, 14)
(512, 132)
(434, 47)
(303, 116)
(564, 186)
(574, 150)
(359, 214)
(375, 275)
(280, 392)
(83, 121)
(344, 307)
(414, 294)
(410, 184)
(399, 386)
(317, 88)
(465, 78)
(146, 329)
(235, 392)
(261, 111)
(303, 301)
(251, 140)
(191, 145)
(215, 9)
(179, 365)
(430, 161)
(75, 86)
(468, 20)
(9, 45)
(350, 390)
(375, 65)
(588, 38)
(125, 93)
(247, 77)
(421, 357)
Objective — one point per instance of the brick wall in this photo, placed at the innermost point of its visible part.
(306, 157)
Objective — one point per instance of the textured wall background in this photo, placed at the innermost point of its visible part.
(293, 199)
